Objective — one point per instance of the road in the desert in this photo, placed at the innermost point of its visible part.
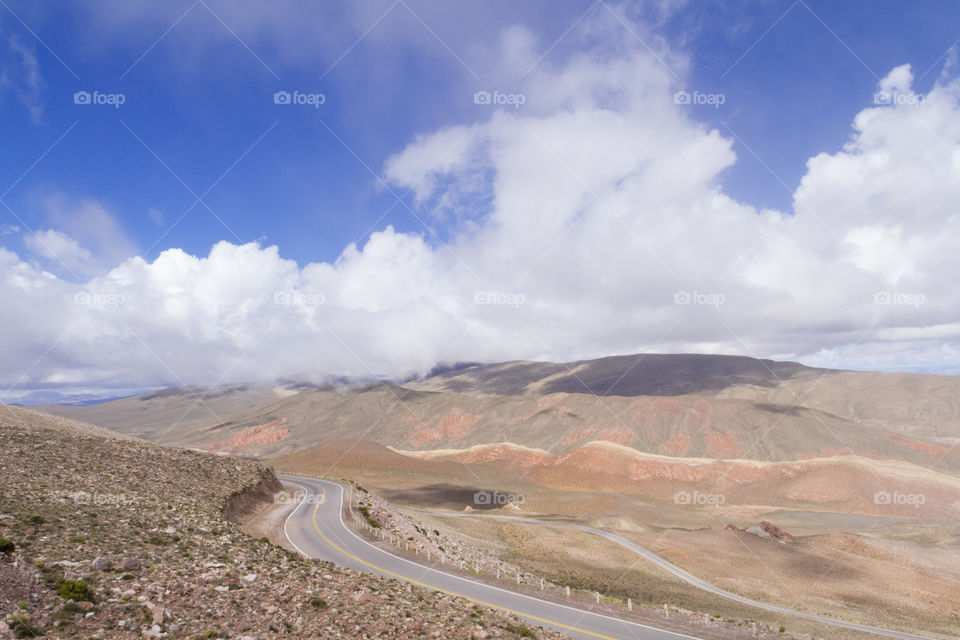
(689, 578)
(316, 529)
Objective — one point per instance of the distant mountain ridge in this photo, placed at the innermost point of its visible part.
(632, 375)
(686, 405)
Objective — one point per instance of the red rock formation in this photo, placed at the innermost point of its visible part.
(452, 426)
(256, 436)
(677, 445)
(932, 450)
(577, 436)
(721, 445)
(618, 435)
(776, 532)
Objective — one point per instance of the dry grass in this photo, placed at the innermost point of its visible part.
(879, 571)
(764, 570)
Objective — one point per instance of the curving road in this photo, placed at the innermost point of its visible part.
(316, 529)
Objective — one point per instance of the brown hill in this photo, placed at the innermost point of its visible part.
(844, 484)
(689, 406)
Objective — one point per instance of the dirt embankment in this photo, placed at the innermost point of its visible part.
(240, 505)
(261, 509)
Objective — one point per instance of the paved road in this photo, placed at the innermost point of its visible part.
(317, 530)
(690, 578)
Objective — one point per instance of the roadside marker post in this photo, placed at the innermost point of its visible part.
(629, 604)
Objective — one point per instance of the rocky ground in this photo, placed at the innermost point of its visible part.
(439, 543)
(115, 538)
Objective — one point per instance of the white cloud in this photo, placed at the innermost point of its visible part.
(87, 239)
(57, 246)
(20, 75)
(899, 79)
(603, 199)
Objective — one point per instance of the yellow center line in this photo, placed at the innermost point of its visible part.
(428, 586)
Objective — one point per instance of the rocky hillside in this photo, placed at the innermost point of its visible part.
(111, 537)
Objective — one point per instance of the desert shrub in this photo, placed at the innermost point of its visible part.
(7, 546)
(521, 630)
(318, 603)
(23, 627)
(74, 590)
(366, 516)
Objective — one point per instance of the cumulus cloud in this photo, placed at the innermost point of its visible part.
(597, 224)
(86, 239)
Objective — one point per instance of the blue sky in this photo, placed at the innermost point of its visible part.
(199, 153)
(200, 105)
